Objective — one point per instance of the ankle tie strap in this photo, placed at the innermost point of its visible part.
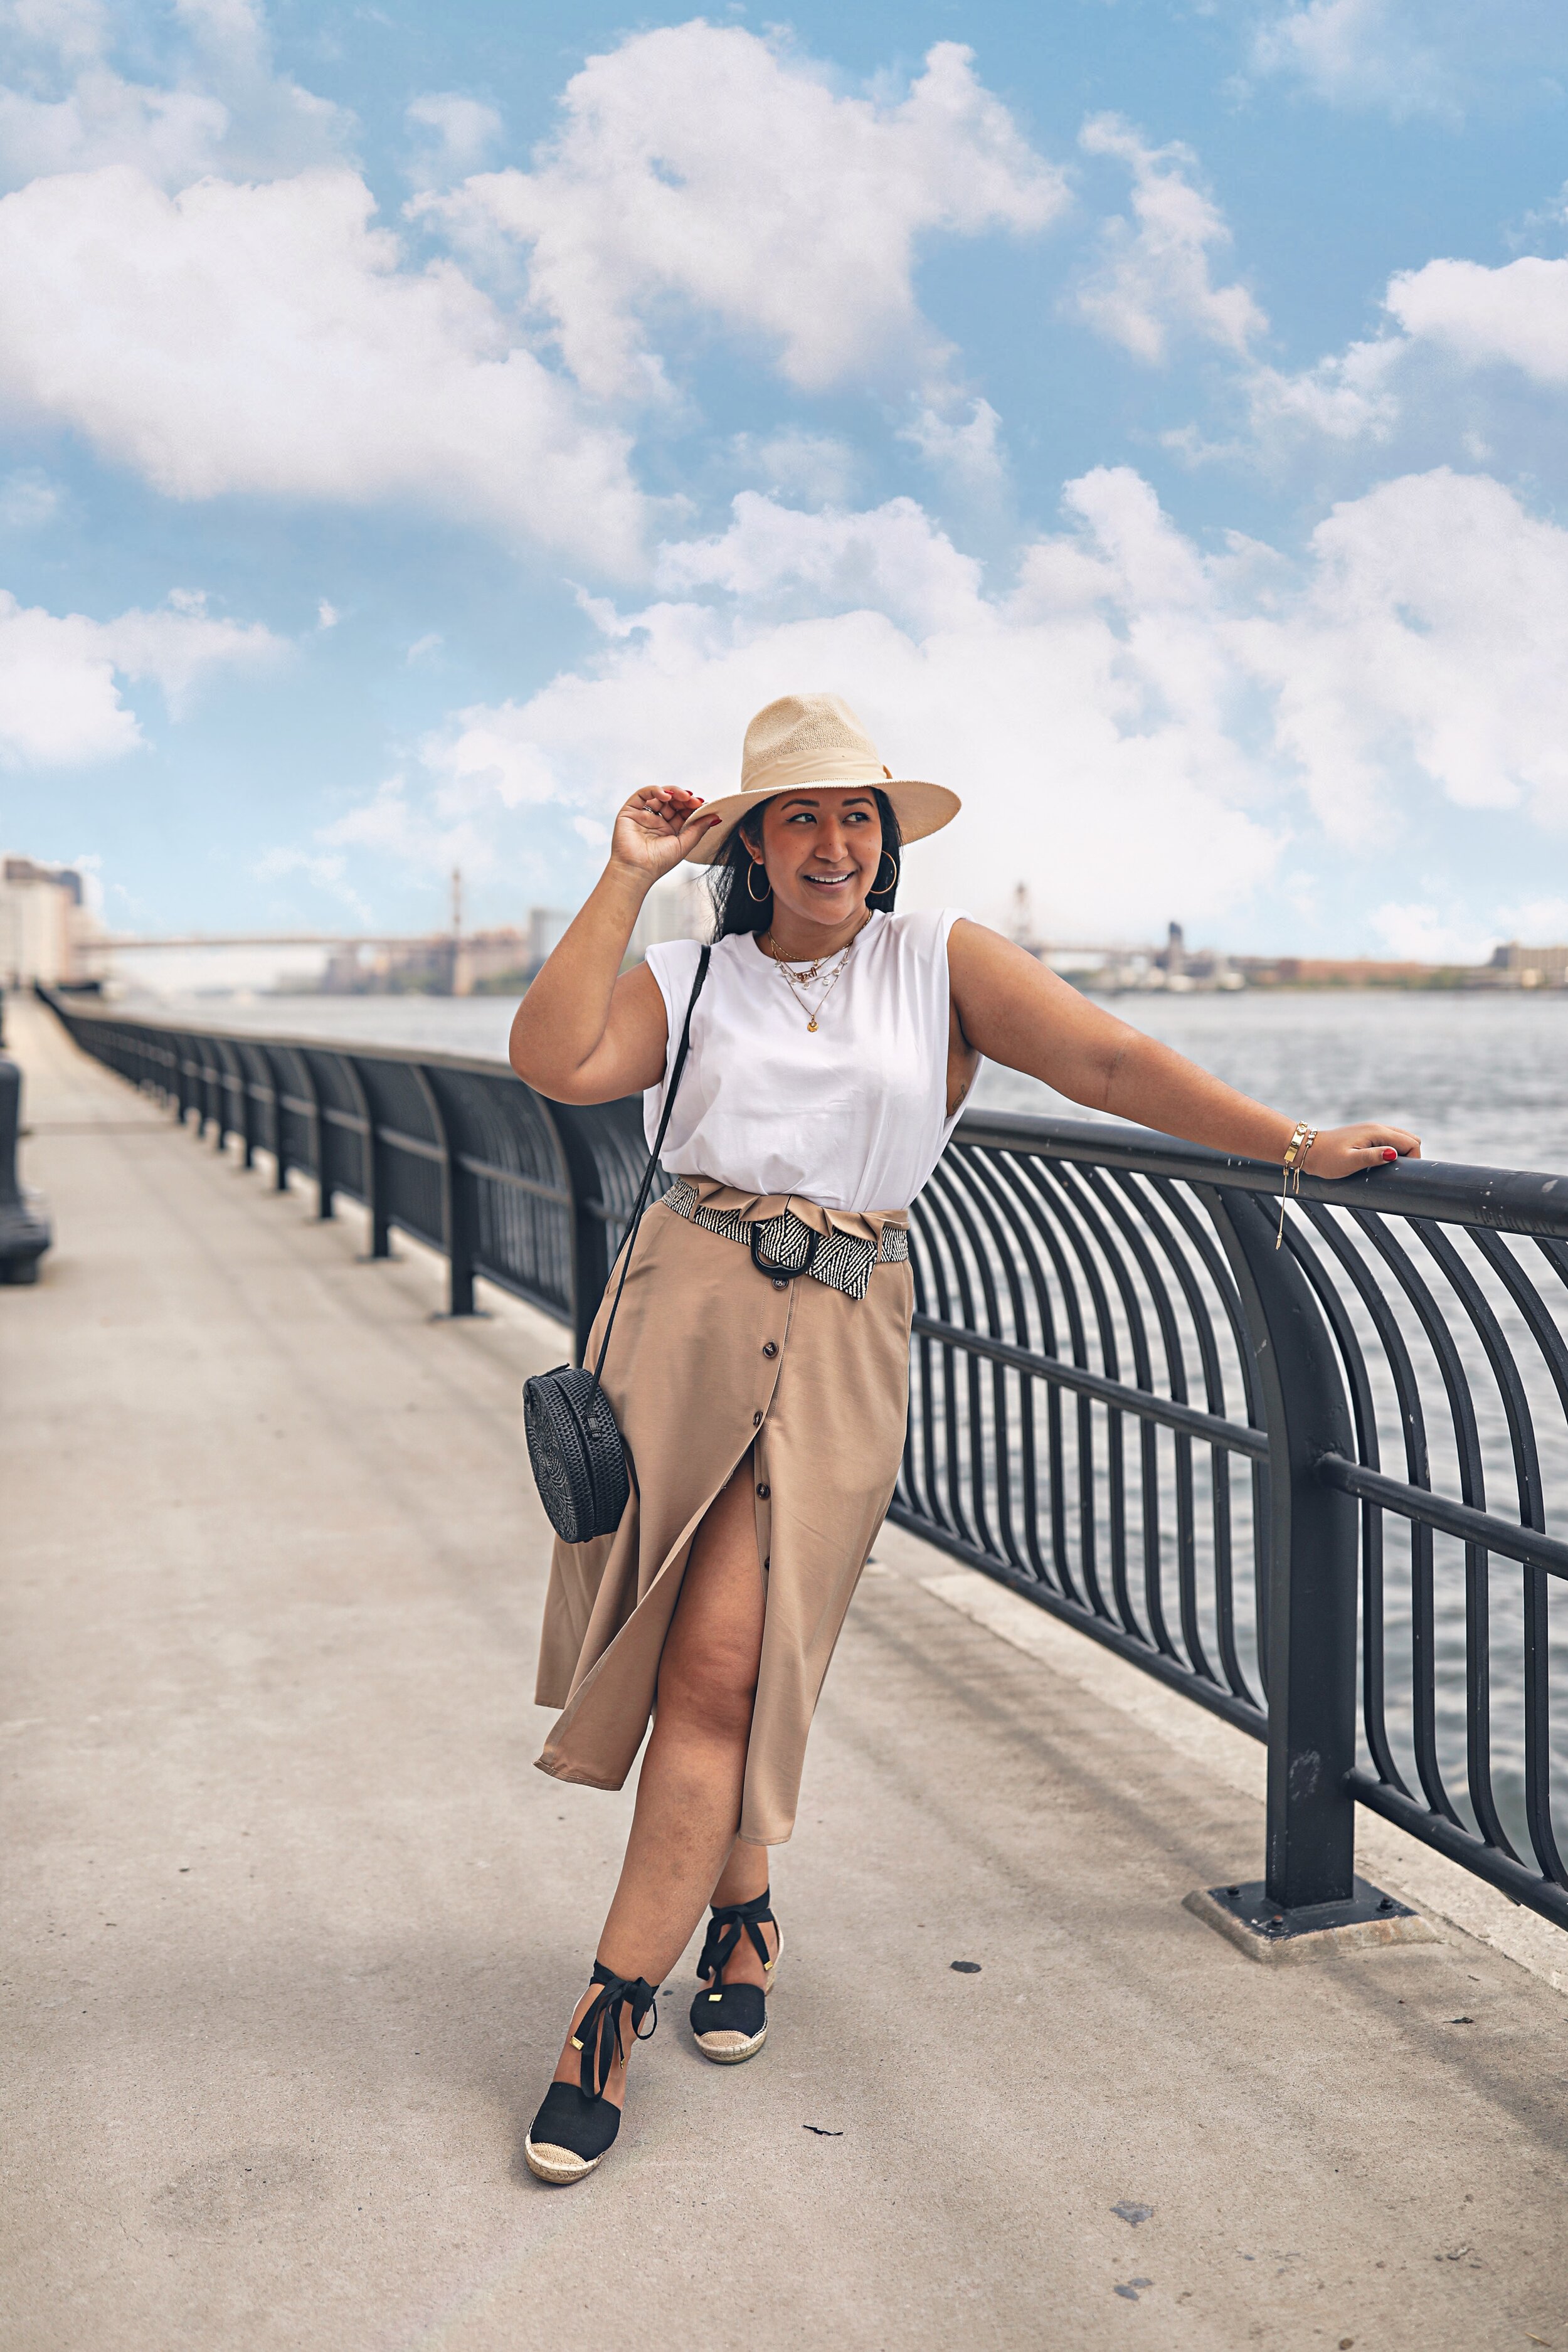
(598, 2035)
(729, 1923)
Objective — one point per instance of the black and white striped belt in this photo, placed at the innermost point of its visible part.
(786, 1245)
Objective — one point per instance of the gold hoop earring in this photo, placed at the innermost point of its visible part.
(885, 886)
(767, 887)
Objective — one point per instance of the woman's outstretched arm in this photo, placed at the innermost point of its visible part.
(1016, 1010)
(583, 1035)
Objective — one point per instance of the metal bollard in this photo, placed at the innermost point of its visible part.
(25, 1235)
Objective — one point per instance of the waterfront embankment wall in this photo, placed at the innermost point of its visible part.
(292, 1923)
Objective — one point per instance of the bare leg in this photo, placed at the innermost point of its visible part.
(743, 1875)
(688, 1792)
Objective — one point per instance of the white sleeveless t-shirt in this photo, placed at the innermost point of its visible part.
(853, 1115)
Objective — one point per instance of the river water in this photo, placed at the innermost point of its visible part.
(1481, 1078)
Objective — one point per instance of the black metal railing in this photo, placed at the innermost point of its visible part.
(1102, 1314)
(1268, 1477)
(529, 1195)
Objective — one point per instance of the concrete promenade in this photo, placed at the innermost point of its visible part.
(292, 1925)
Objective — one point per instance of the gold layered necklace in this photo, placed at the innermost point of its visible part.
(799, 978)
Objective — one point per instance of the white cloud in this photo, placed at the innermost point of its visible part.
(1096, 765)
(1535, 919)
(61, 701)
(267, 340)
(431, 836)
(1418, 933)
(27, 499)
(1447, 321)
(890, 560)
(816, 466)
(1428, 636)
(325, 871)
(1357, 53)
(1138, 728)
(1414, 57)
(66, 106)
(1350, 396)
(704, 167)
(1516, 316)
(171, 134)
(1154, 276)
(327, 615)
(970, 454)
(458, 134)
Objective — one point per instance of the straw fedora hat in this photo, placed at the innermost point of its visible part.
(803, 739)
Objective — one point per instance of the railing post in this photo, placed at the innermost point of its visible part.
(246, 1108)
(220, 1088)
(1310, 1885)
(457, 1204)
(590, 1226)
(320, 1136)
(1311, 1663)
(187, 1094)
(460, 1219)
(374, 1173)
(279, 1147)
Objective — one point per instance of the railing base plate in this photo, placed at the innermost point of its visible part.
(1247, 1918)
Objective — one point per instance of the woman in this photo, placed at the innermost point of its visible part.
(759, 1365)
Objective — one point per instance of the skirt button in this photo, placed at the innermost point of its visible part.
(756, 1421)
(770, 1346)
(779, 1282)
(765, 1492)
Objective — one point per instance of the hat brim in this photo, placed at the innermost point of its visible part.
(919, 809)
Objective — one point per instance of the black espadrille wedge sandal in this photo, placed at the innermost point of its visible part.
(731, 2022)
(576, 2125)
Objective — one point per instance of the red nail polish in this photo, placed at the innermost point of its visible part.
(1389, 1152)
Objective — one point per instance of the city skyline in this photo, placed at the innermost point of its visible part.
(1148, 416)
(49, 933)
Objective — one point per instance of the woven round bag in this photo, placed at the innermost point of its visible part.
(579, 1462)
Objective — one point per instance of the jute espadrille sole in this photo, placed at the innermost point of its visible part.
(730, 2048)
(557, 2165)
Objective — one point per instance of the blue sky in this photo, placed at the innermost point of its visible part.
(421, 427)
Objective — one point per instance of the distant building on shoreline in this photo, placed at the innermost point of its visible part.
(48, 932)
(1179, 970)
(1511, 966)
(503, 961)
(1514, 966)
(1175, 968)
(467, 963)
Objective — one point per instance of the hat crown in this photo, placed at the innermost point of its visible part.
(817, 729)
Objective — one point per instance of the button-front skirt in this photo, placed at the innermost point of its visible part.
(711, 1357)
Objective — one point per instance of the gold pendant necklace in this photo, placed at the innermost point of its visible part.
(797, 981)
(796, 987)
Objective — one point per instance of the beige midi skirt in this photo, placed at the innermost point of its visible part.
(709, 1359)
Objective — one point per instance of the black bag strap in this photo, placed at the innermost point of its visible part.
(631, 1233)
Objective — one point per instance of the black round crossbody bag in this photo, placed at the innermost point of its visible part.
(578, 1458)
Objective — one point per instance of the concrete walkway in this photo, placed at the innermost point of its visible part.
(292, 1925)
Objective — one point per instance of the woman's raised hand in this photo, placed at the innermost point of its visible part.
(657, 829)
(1369, 1143)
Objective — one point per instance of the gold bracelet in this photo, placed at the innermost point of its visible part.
(1301, 1141)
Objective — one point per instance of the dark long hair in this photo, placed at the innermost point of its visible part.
(736, 910)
